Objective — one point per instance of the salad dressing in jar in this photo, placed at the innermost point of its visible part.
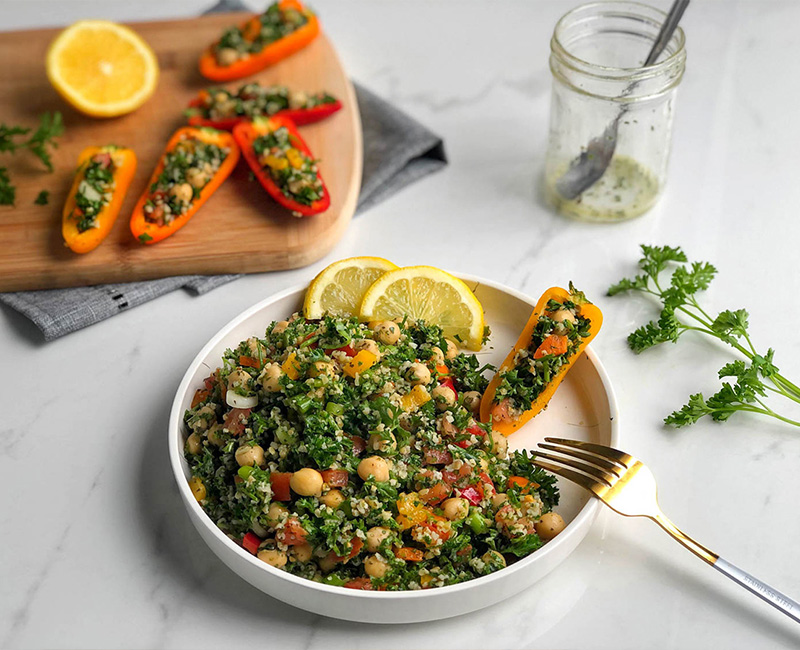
(596, 55)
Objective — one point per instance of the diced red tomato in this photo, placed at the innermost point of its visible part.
(280, 486)
(409, 554)
(472, 494)
(293, 533)
(348, 350)
(472, 430)
(236, 421)
(435, 494)
(443, 532)
(335, 477)
(452, 477)
(554, 344)
(464, 551)
(314, 345)
(251, 542)
(210, 382)
(487, 485)
(249, 362)
(448, 381)
(438, 457)
(103, 159)
(359, 444)
(356, 545)
(200, 395)
(359, 583)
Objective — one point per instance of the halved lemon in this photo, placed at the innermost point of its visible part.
(102, 68)
(429, 294)
(340, 287)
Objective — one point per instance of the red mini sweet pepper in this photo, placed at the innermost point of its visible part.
(246, 133)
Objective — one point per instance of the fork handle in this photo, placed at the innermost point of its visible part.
(760, 589)
(752, 584)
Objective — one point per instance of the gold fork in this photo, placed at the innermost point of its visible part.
(628, 487)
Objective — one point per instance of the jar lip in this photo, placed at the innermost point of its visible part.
(612, 72)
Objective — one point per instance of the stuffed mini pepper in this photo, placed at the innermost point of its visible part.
(194, 164)
(283, 164)
(223, 109)
(98, 191)
(556, 334)
(283, 29)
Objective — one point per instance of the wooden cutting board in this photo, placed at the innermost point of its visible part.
(239, 230)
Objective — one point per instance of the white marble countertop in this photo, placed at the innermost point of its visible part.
(97, 549)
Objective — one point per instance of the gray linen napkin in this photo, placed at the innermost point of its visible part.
(397, 151)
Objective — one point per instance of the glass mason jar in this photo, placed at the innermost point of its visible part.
(597, 52)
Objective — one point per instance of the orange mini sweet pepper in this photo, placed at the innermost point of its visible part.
(587, 310)
(122, 162)
(150, 231)
(273, 52)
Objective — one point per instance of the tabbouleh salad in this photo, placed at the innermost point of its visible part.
(349, 454)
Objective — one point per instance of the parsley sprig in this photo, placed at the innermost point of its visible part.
(14, 138)
(753, 379)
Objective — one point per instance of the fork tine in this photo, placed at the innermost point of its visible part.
(595, 472)
(581, 479)
(595, 460)
(626, 460)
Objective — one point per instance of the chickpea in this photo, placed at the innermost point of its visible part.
(280, 327)
(193, 444)
(239, 378)
(418, 373)
(297, 99)
(270, 377)
(499, 444)
(471, 400)
(499, 499)
(306, 482)
(369, 345)
(220, 97)
(375, 537)
(227, 56)
(332, 498)
(437, 356)
(276, 514)
(550, 525)
(560, 315)
(444, 397)
(378, 443)
(375, 566)
(214, 436)
(494, 558)
(250, 455)
(302, 553)
(386, 332)
(374, 466)
(182, 192)
(196, 177)
(455, 508)
(327, 564)
(320, 368)
(452, 349)
(273, 557)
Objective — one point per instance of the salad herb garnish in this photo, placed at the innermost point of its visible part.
(754, 378)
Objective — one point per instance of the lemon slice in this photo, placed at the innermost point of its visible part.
(102, 68)
(340, 287)
(429, 294)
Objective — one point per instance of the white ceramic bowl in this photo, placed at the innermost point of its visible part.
(584, 408)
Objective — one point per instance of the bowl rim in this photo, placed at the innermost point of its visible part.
(585, 515)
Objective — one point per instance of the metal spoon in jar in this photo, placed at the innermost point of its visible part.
(590, 166)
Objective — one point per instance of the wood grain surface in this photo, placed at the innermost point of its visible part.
(239, 230)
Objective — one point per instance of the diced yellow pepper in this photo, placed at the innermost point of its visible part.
(295, 158)
(364, 360)
(291, 367)
(273, 162)
(416, 398)
(425, 580)
(197, 487)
